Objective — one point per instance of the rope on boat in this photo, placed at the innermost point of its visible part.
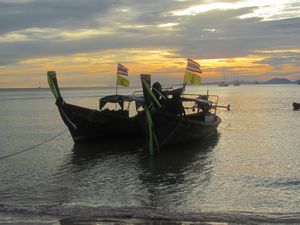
(56, 136)
(35, 146)
(170, 135)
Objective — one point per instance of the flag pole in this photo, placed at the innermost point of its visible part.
(122, 70)
(116, 107)
(117, 86)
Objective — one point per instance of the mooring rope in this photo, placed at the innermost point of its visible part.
(33, 147)
(170, 135)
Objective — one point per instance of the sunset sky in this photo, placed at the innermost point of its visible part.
(83, 40)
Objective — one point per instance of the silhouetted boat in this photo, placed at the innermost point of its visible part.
(296, 106)
(237, 81)
(86, 124)
(174, 117)
(223, 84)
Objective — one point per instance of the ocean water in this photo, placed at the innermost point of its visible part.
(249, 172)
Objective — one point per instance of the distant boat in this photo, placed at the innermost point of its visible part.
(296, 106)
(223, 83)
(237, 81)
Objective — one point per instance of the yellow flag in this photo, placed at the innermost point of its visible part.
(191, 78)
(122, 81)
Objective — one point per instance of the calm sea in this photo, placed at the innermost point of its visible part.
(249, 172)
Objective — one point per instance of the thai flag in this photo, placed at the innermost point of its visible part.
(122, 70)
(193, 66)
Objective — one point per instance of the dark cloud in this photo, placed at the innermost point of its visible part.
(280, 59)
(281, 74)
(232, 36)
(52, 14)
(13, 52)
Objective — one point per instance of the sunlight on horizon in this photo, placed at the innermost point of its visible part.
(99, 69)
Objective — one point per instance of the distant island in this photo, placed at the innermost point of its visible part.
(279, 81)
(272, 81)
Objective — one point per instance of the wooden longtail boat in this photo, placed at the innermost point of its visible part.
(163, 117)
(87, 124)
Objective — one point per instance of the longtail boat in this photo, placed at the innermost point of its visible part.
(87, 124)
(162, 117)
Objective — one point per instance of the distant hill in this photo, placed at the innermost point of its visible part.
(230, 82)
(272, 81)
(279, 81)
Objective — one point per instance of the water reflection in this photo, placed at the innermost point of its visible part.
(117, 176)
(174, 157)
(85, 154)
(180, 156)
(168, 176)
(100, 172)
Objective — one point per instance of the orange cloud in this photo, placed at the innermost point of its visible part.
(99, 69)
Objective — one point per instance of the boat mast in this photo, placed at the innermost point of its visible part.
(117, 86)
(116, 106)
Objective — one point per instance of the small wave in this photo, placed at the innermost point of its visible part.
(289, 183)
(92, 213)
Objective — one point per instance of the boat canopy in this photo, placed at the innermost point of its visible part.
(121, 99)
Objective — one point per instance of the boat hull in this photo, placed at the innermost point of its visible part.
(172, 130)
(92, 125)
(86, 124)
